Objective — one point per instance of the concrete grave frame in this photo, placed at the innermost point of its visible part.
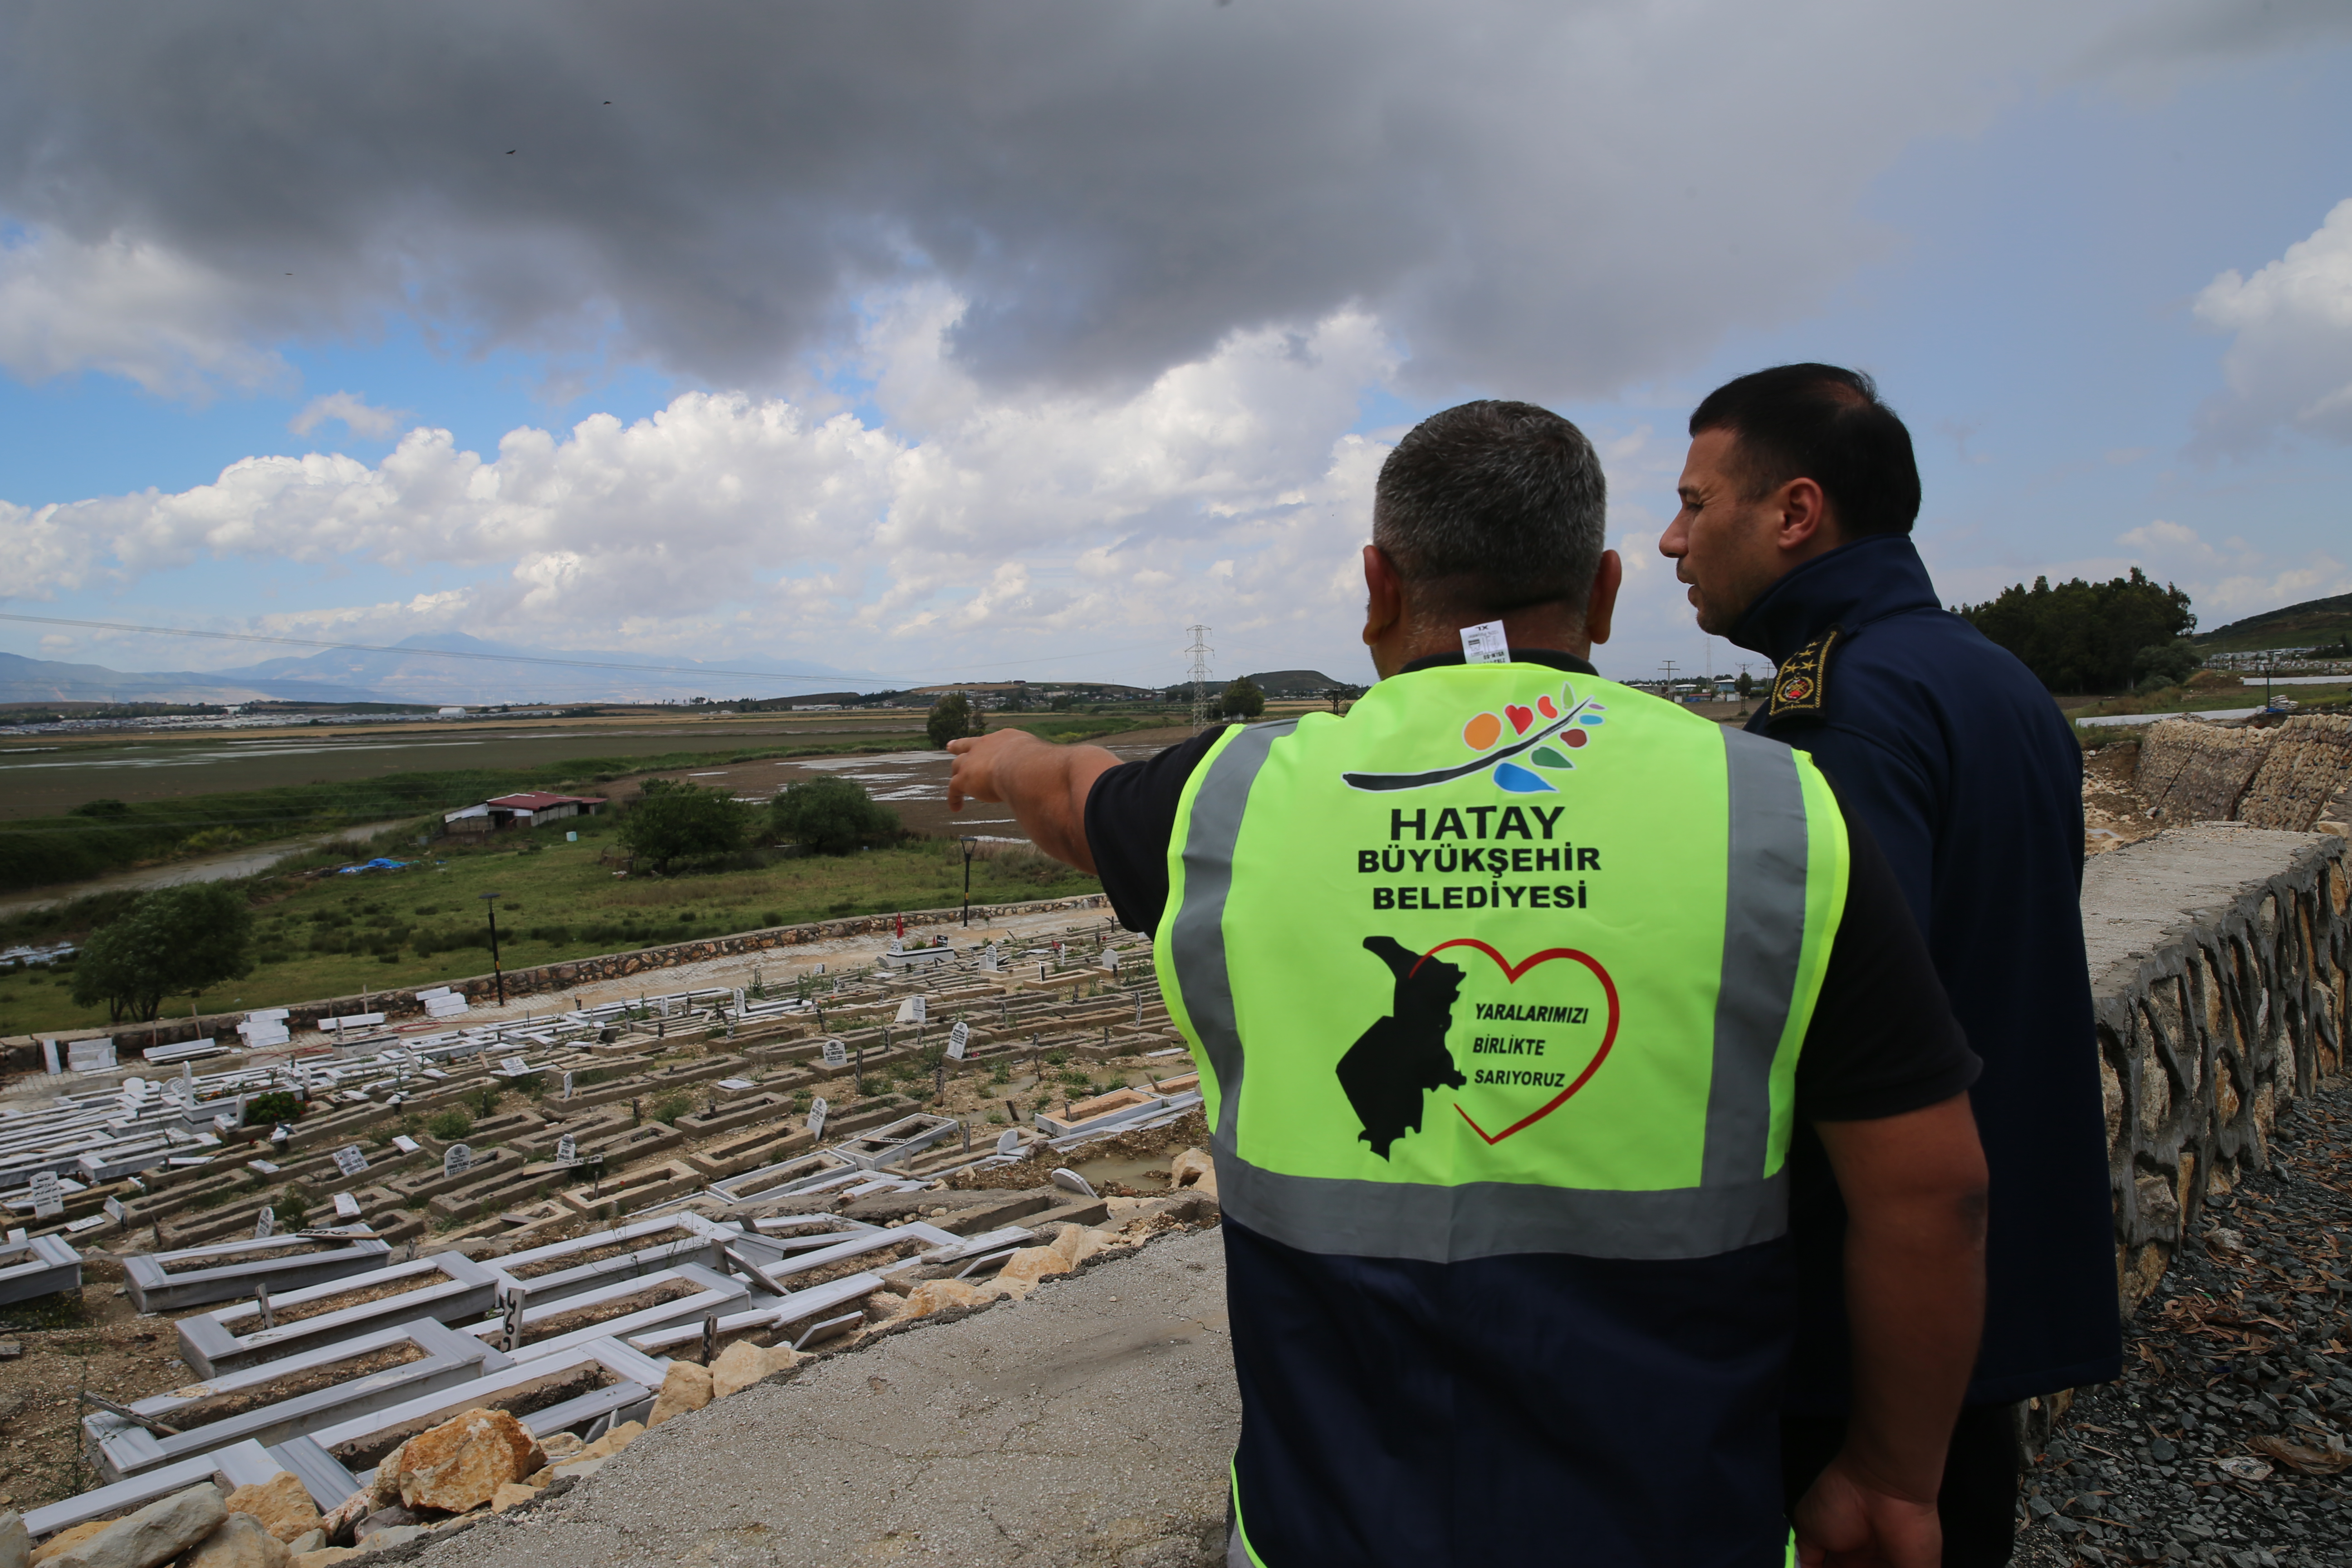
(449, 1288)
(229, 1467)
(153, 1288)
(635, 1376)
(120, 1449)
(47, 1264)
(695, 1240)
(898, 1141)
(713, 1293)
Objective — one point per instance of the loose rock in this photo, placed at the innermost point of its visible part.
(611, 1443)
(744, 1364)
(66, 1540)
(684, 1388)
(281, 1503)
(932, 1295)
(156, 1533)
(461, 1463)
(1194, 1168)
(15, 1540)
(241, 1541)
(324, 1556)
(512, 1494)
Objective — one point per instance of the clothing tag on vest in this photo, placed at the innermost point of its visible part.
(1484, 644)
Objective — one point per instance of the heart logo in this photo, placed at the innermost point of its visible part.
(1511, 973)
(1520, 718)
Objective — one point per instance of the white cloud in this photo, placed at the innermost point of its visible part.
(357, 416)
(970, 523)
(2290, 363)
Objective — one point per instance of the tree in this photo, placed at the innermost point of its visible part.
(829, 815)
(2085, 636)
(953, 717)
(1745, 685)
(1243, 700)
(683, 822)
(175, 941)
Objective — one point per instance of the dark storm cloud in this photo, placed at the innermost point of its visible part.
(1559, 196)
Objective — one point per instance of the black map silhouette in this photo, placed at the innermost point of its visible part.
(1397, 1061)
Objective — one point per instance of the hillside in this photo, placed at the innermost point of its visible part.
(2313, 623)
(1294, 683)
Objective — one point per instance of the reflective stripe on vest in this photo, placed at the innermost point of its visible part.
(1779, 898)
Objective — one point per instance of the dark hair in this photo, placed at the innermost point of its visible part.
(1825, 423)
(1493, 506)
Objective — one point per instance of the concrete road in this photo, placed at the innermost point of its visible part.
(1089, 1425)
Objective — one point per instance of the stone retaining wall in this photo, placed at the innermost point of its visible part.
(2277, 776)
(2218, 968)
(131, 1038)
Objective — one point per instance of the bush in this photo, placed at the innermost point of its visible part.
(683, 822)
(670, 1106)
(2160, 665)
(268, 1109)
(450, 1125)
(829, 816)
(1243, 700)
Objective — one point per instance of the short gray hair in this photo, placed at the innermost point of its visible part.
(1494, 506)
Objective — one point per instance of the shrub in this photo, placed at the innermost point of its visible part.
(829, 816)
(684, 822)
(671, 1105)
(268, 1109)
(450, 1125)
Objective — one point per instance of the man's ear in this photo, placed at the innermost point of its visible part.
(1383, 594)
(1808, 525)
(1602, 606)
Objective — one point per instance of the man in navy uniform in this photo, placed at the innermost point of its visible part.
(1798, 498)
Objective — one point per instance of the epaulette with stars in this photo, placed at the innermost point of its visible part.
(1800, 689)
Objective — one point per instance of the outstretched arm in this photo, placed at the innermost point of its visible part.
(1915, 1194)
(1046, 785)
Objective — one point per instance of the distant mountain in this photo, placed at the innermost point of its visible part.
(50, 680)
(2315, 623)
(1294, 683)
(450, 666)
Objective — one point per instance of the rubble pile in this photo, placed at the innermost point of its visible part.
(404, 1319)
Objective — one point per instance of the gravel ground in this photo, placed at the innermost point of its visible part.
(2225, 1441)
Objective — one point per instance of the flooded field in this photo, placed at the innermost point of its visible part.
(914, 783)
(44, 778)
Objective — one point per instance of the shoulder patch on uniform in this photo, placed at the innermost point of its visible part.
(1801, 687)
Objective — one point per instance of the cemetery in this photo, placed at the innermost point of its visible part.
(353, 1231)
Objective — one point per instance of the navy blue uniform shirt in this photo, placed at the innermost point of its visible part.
(1954, 756)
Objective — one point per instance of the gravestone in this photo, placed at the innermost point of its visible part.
(836, 1055)
(264, 1223)
(1069, 1181)
(456, 1160)
(567, 1086)
(349, 1161)
(49, 1057)
(117, 1213)
(913, 1011)
(1009, 1143)
(48, 1201)
(817, 1109)
(405, 1144)
(261, 1301)
(346, 1207)
(567, 1152)
(957, 1038)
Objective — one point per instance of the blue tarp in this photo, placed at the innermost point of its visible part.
(376, 865)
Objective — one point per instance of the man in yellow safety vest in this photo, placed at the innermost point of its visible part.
(1507, 989)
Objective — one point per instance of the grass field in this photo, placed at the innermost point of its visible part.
(330, 781)
(321, 936)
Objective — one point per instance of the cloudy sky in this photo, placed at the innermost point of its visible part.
(931, 339)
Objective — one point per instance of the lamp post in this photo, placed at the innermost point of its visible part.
(967, 879)
(498, 971)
